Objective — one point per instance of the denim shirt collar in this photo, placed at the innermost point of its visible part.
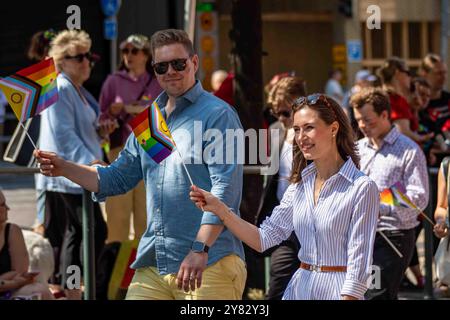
(181, 102)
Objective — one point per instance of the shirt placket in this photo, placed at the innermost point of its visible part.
(313, 218)
(315, 212)
(161, 253)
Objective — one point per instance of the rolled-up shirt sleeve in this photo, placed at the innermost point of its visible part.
(122, 175)
(361, 240)
(279, 225)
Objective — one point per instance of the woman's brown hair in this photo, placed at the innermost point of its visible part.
(292, 88)
(329, 111)
(387, 71)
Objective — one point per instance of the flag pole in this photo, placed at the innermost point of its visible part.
(26, 132)
(426, 217)
(390, 244)
(185, 168)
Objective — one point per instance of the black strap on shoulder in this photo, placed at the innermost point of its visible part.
(7, 227)
(445, 163)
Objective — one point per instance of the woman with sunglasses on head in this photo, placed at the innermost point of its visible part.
(125, 94)
(330, 205)
(71, 128)
(396, 79)
(283, 258)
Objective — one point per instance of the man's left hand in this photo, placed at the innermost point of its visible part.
(191, 271)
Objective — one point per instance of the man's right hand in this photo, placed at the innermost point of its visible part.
(50, 164)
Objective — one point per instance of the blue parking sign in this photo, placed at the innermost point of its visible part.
(110, 28)
(110, 7)
(354, 50)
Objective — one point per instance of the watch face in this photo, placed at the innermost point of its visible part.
(198, 246)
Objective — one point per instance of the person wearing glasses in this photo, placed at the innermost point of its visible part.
(388, 157)
(182, 254)
(283, 258)
(396, 79)
(71, 128)
(125, 94)
(330, 205)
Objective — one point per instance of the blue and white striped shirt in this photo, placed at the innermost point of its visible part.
(338, 231)
(398, 160)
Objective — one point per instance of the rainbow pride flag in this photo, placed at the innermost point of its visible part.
(395, 195)
(31, 90)
(152, 133)
(387, 197)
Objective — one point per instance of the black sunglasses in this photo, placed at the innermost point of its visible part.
(312, 100)
(80, 57)
(284, 113)
(134, 51)
(177, 65)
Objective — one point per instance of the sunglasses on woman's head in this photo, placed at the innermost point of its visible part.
(80, 57)
(163, 67)
(133, 51)
(312, 100)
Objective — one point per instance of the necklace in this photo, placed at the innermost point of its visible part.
(317, 193)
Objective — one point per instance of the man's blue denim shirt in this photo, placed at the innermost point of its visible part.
(172, 219)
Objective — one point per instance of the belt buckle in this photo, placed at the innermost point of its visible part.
(316, 268)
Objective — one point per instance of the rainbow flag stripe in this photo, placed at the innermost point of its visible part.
(387, 197)
(396, 196)
(31, 90)
(152, 133)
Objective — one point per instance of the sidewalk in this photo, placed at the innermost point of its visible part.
(21, 196)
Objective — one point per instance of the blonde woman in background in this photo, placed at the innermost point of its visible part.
(71, 129)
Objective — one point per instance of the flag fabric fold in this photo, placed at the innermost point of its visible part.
(152, 133)
(31, 90)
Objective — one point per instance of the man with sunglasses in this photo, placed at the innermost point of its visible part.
(183, 254)
(389, 157)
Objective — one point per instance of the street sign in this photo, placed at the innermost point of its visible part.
(110, 7)
(354, 50)
(110, 28)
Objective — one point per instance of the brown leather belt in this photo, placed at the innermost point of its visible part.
(311, 267)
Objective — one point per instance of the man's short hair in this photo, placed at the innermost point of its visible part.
(374, 96)
(171, 36)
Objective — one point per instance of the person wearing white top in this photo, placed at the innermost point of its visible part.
(283, 257)
(331, 206)
(333, 87)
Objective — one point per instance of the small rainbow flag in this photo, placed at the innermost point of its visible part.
(152, 133)
(31, 90)
(395, 196)
(387, 197)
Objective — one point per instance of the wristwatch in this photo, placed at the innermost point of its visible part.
(199, 247)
